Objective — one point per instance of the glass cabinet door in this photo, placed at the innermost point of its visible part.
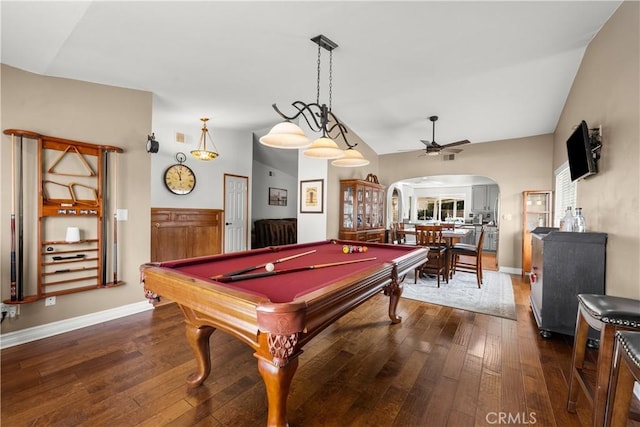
(360, 207)
(374, 208)
(380, 209)
(347, 207)
(368, 208)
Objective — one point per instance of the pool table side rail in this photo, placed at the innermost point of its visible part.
(229, 310)
(326, 305)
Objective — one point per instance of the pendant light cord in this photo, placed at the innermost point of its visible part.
(330, 77)
(318, 79)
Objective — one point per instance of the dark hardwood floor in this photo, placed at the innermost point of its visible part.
(439, 367)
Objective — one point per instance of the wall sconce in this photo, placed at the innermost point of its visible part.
(152, 145)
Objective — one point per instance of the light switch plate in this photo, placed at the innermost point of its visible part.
(122, 214)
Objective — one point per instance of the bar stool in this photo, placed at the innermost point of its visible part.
(626, 370)
(606, 314)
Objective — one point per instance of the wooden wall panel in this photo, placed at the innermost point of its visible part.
(185, 233)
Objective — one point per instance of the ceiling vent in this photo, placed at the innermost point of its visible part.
(448, 156)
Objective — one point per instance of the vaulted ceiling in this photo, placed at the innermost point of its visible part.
(490, 70)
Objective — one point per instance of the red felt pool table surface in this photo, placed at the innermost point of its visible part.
(278, 314)
(285, 287)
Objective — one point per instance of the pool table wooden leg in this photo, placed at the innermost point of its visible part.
(277, 381)
(198, 338)
(394, 291)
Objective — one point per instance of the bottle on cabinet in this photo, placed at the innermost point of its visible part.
(579, 223)
(567, 221)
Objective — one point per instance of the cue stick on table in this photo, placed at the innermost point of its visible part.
(255, 267)
(225, 279)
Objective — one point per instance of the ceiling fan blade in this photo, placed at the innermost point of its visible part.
(453, 144)
(425, 142)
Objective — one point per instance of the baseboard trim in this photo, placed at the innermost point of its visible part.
(510, 270)
(24, 336)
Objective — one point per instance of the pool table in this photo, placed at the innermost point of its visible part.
(276, 312)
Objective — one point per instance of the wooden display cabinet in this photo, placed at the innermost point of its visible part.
(536, 212)
(72, 180)
(362, 210)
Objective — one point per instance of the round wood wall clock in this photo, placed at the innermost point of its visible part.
(179, 178)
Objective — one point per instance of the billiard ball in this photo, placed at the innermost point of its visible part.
(269, 267)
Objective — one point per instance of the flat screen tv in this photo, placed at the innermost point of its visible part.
(581, 160)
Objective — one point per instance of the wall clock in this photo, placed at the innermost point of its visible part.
(179, 178)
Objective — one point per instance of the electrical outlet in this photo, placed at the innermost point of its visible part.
(10, 309)
(49, 301)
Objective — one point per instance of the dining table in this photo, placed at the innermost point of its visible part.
(451, 237)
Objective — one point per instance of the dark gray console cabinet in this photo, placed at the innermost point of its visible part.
(563, 265)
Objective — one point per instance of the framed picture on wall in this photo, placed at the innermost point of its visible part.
(312, 196)
(277, 196)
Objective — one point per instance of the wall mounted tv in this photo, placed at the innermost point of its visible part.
(582, 162)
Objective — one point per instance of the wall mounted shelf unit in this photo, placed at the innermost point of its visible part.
(73, 181)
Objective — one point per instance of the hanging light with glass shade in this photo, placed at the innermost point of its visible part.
(202, 153)
(319, 118)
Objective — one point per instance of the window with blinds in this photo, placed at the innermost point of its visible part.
(565, 193)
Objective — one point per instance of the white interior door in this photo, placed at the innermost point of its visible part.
(235, 213)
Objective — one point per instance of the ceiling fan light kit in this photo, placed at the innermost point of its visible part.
(319, 118)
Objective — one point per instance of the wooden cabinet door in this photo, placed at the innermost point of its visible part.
(204, 240)
(169, 242)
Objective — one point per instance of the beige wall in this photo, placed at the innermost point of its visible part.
(606, 92)
(92, 113)
(516, 165)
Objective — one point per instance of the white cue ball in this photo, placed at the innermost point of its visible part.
(269, 267)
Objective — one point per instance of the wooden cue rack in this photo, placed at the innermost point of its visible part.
(73, 180)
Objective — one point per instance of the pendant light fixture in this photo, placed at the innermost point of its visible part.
(202, 153)
(319, 118)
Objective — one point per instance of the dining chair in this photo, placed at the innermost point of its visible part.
(431, 237)
(397, 233)
(460, 254)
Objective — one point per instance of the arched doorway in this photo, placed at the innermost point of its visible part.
(470, 200)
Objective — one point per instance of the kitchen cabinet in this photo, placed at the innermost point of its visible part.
(484, 197)
(564, 264)
(536, 212)
(362, 210)
(490, 242)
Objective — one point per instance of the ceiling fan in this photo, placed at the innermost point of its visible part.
(433, 148)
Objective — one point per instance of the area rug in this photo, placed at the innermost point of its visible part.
(495, 297)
